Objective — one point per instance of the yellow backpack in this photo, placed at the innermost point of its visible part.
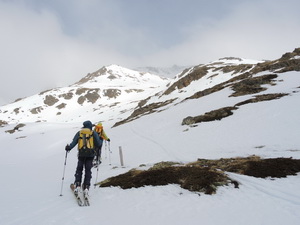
(86, 146)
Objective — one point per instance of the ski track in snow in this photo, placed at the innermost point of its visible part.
(152, 140)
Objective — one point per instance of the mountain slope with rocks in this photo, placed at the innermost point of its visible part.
(244, 77)
(110, 92)
(219, 143)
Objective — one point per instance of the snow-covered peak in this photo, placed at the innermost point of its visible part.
(115, 75)
(100, 92)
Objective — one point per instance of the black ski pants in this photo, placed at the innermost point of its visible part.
(98, 152)
(87, 164)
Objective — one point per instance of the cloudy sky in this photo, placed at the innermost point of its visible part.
(46, 44)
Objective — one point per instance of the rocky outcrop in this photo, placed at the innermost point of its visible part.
(50, 100)
(252, 85)
(87, 94)
(144, 110)
(112, 93)
(196, 74)
(36, 110)
(16, 128)
(3, 123)
(67, 96)
(221, 113)
(209, 116)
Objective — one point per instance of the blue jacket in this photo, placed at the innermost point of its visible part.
(97, 140)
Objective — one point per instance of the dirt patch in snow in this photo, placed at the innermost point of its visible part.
(3, 123)
(204, 175)
(221, 113)
(209, 116)
(190, 178)
(16, 128)
(254, 166)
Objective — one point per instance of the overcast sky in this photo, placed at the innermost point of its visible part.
(53, 43)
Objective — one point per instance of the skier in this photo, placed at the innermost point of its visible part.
(87, 141)
(100, 131)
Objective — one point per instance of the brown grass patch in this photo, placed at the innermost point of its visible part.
(204, 175)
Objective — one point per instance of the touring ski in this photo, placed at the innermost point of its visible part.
(86, 197)
(77, 195)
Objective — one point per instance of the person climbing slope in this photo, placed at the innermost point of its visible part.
(87, 140)
(101, 133)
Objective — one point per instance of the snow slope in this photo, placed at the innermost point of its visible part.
(32, 163)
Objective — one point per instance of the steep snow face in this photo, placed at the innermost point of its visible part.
(111, 92)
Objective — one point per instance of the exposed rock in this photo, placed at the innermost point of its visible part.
(50, 100)
(134, 90)
(286, 63)
(81, 100)
(80, 91)
(252, 85)
(218, 87)
(18, 99)
(61, 106)
(147, 109)
(36, 110)
(91, 76)
(231, 58)
(112, 77)
(67, 96)
(17, 110)
(85, 79)
(20, 137)
(112, 93)
(227, 111)
(43, 92)
(185, 81)
(260, 98)
(235, 68)
(3, 123)
(209, 116)
(16, 128)
(91, 95)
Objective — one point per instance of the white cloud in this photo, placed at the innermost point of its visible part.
(257, 30)
(42, 47)
(36, 54)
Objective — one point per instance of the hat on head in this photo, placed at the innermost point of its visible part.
(88, 124)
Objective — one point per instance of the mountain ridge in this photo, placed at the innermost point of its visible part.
(120, 94)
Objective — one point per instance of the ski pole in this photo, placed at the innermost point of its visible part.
(109, 152)
(105, 150)
(96, 176)
(63, 177)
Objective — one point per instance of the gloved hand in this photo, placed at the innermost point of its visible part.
(67, 148)
(108, 140)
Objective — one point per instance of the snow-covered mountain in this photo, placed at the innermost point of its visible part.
(228, 108)
(109, 93)
(119, 94)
